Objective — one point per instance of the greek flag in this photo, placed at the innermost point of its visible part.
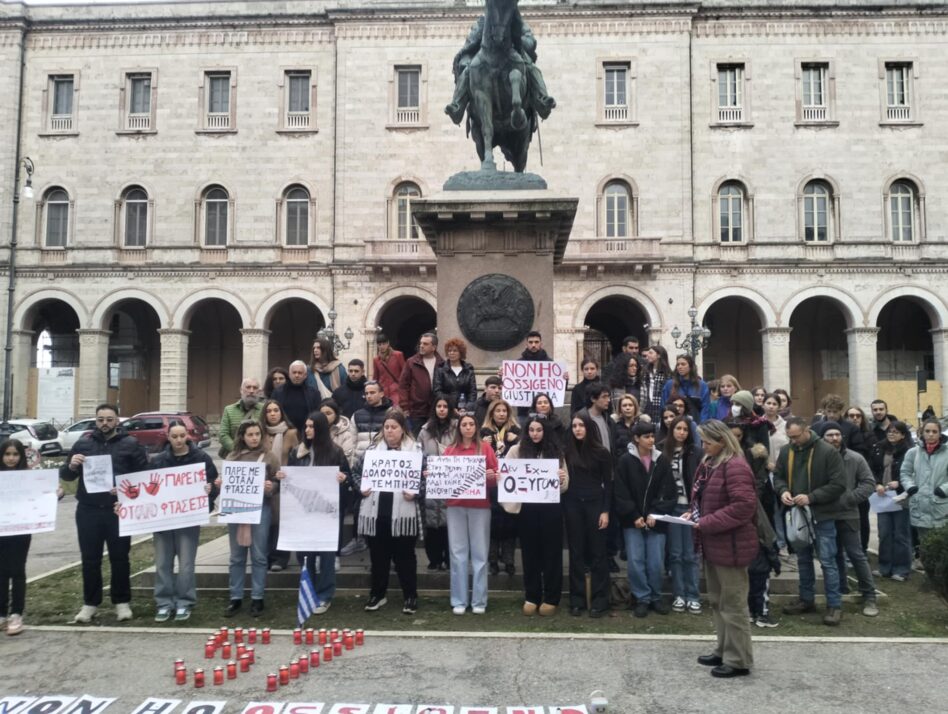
(308, 602)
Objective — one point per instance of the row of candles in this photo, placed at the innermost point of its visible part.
(333, 642)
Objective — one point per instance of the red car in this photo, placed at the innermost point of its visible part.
(151, 429)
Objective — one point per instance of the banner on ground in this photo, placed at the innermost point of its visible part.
(456, 477)
(392, 471)
(162, 499)
(241, 499)
(528, 481)
(28, 501)
(309, 509)
(524, 379)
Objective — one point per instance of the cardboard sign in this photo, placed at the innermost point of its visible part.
(528, 481)
(392, 471)
(309, 509)
(162, 499)
(242, 484)
(456, 477)
(28, 503)
(524, 379)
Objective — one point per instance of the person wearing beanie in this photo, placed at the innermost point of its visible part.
(756, 427)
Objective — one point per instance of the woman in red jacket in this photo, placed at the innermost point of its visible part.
(723, 508)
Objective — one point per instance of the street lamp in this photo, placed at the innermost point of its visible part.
(27, 164)
(329, 333)
(696, 339)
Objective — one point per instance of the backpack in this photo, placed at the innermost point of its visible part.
(620, 593)
(801, 530)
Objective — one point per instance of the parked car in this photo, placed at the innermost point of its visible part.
(71, 434)
(151, 429)
(35, 434)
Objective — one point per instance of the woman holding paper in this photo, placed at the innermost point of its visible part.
(895, 527)
(438, 433)
(280, 439)
(541, 525)
(723, 506)
(501, 431)
(390, 522)
(469, 525)
(248, 446)
(555, 429)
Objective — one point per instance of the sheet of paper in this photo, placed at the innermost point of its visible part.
(309, 509)
(884, 503)
(97, 474)
(28, 504)
(242, 485)
(672, 519)
(456, 477)
(162, 499)
(528, 481)
(392, 471)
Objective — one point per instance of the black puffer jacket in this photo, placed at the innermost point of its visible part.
(167, 459)
(458, 388)
(128, 457)
(641, 491)
(368, 423)
(350, 396)
(877, 462)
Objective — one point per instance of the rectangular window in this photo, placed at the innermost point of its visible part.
(218, 93)
(408, 100)
(616, 101)
(730, 92)
(298, 87)
(139, 94)
(57, 224)
(297, 222)
(814, 77)
(136, 223)
(298, 93)
(62, 96)
(898, 85)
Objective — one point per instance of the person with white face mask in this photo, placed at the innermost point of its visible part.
(757, 428)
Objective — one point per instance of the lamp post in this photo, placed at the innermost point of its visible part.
(329, 333)
(696, 339)
(27, 164)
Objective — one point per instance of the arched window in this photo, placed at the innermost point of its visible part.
(296, 202)
(216, 205)
(56, 204)
(817, 212)
(731, 200)
(135, 207)
(403, 224)
(617, 206)
(903, 211)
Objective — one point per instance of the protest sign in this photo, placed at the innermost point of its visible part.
(162, 499)
(28, 504)
(393, 471)
(309, 509)
(523, 379)
(456, 477)
(528, 481)
(242, 484)
(97, 474)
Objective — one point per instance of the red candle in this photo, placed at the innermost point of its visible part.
(266, 635)
(252, 655)
(245, 663)
(225, 650)
(333, 634)
(327, 653)
(284, 674)
(238, 634)
(349, 642)
(322, 636)
(271, 682)
(360, 637)
(241, 649)
(252, 636)
(314, 658)
(232, 670)
(294, 670)
(198, 678)
(304, 664)
(337, 649)
(209, 650)
(297, 636)
(180, 675)
(218, 675)
(178, 664)
(222, 633)
(309, 635)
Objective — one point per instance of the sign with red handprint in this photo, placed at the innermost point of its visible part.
(162, 499)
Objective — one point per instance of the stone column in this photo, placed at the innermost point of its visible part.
(174, 370)
(863, 372)
(775, 346)
(93, 369)
(20, 365)
(940, 346)
(256, 344)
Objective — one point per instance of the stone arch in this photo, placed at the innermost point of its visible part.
(386, 296)
(624, 178)
(904, 176)
(24, 307)
(818, 176)
(184, 309)
(105, 305)
(406, 178)
(296, 181)
(762, 306)
(205, 185)
(933, 305)
(265, 310)
(144, 185)
(735, 178)
(852, 312)
(655, 319)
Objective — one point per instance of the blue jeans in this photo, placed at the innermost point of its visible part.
(645, 549)
(259, 547)
(682, 561)
(895, 543)
(176, 591)
(468, 541)
(325, 580)
(826, 547)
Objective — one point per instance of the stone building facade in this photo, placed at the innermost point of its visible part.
(211, 179)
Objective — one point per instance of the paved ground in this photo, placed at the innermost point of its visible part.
(637, 675)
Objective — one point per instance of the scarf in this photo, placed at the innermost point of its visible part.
(277, 432)
(406, 519)
(332, 369)
(931, 448)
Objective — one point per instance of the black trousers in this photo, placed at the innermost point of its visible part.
(13, 552)
(541, 545)
(864, 525)
(587, 545)
(436, 546)
(384, 548)
(97, 527)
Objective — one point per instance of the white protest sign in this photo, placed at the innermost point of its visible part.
(28, 504)
(162, 499)
(528, 481)
(456, 477)
(523, 379)
(241, 499)
(393, 471)
(97, 474)
(309, 509)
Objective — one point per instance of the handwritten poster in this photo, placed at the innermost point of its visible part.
(456, 477)
(28, 502)
(528, 481)
(392, 471)
(241, 499)
(309, 509)
(97, 474)
(523, 379)
(162, 499)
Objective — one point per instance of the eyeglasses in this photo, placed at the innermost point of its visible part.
(854, 415)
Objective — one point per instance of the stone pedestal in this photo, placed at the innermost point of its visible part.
(496, 251)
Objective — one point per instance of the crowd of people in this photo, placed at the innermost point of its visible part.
(745, 482)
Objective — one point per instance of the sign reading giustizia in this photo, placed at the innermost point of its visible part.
(524, 379)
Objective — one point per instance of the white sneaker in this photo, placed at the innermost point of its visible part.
(14, 625)
(123, 611)
(85, 614)
(478, 610)
(694, 607)
(322, 608)
(459, 610)
(678, 604)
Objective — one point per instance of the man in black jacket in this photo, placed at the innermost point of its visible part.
(534, 352)
(351, 396)
(297, 398)
(96, 522)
